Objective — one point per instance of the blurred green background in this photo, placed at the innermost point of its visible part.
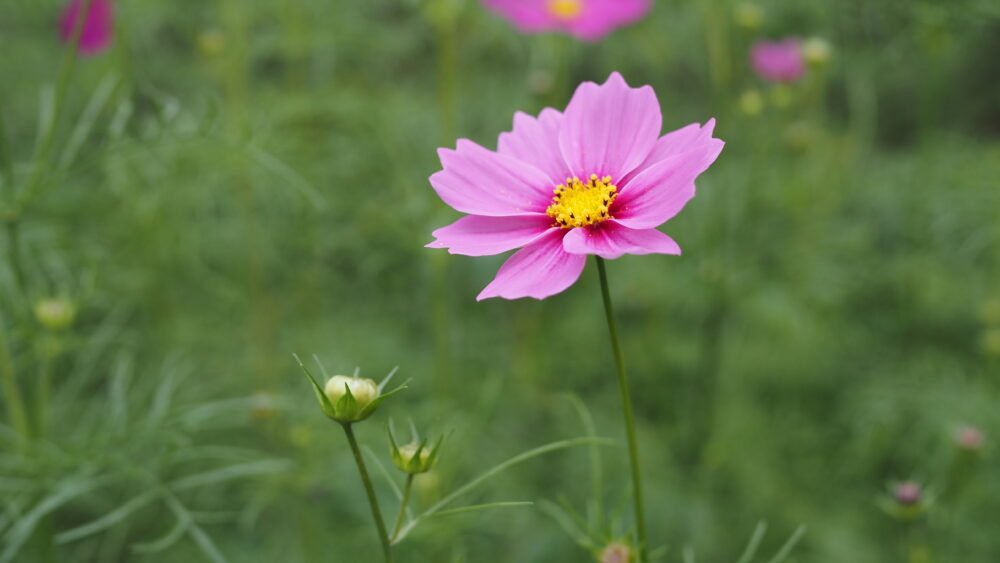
(237, 180)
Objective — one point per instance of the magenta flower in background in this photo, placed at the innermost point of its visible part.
(97, 30)
(588, 20)
(780, 61)
(597, 179)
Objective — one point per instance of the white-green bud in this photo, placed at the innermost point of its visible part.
(55, 313)
(349, 396)
(816, 51)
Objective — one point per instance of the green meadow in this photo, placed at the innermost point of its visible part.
(234, 182)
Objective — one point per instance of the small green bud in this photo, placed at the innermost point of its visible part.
(55, 313)
(816, 51)
(906, 501)
(748, 15)
(751, 103)
(412, 458)
(349, 396)
(415, 457)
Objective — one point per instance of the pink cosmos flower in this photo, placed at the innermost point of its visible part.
(97, 30)
(779, 61)
(597, 179)
(588, 20)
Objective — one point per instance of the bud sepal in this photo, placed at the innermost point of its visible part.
(349, 399)
(415, 457)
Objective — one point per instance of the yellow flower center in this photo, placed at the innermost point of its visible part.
(575, 204)
(565, 9)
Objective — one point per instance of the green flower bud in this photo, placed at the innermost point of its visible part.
(55, 313)
(906, 501)
(751, 103)
(350, 397)
(816, 51)
(415, 457)
(748, 15)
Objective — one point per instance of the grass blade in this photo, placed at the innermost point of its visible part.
(789, 545)
(755, 539)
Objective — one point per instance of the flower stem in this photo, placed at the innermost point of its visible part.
(633, 443)
(402, 505)
(12, 390)
(372, 500)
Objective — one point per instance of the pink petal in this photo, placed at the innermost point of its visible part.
(611, 240)
(481, 182)
(475, 235)
(674, 142)
(609, 129)
(97, 30)
(538, 270)
(661, 191)
(536, 141)
(601, 17)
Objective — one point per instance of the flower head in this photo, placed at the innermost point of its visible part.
(588, 20)
(907, 492)
(595, 179)
(98, 27)
(780, 61)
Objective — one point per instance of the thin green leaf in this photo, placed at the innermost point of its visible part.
(366, 412)
(568, 524)
(165, 541)
(595, 507)
(477, 507)
(276, 166)
(25, 527)
(688, 554)
(385, 473)
(755, 539)
(320, 394)
(46, 115)
(6, 158)
(201, 539)
(520, 458)
(109, 519)
(87, 119)
(229, 473)
(786, 549)
(387, 379)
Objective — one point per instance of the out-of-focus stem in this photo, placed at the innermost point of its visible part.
(16, 413)
(37, 177)
(370, 491)
(402, 505)
(633, 442)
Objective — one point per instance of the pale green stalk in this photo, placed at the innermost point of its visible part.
(370, 491)
(16, 412)
(402, 505)
(633, 442)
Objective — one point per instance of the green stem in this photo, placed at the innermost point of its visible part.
(14, 252)
(49, 347)
(48, 136)
(372, 500)
(11, 390)
(402, 505)
(633, 443)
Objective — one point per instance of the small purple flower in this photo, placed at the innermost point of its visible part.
(98, 28)
(778, 61)
(908, 492)
(588, 20)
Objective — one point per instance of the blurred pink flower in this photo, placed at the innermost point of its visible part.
(780, 61)
(97, 30)
(588, 20)
(908, 492)
(597, 179)
(969, 438)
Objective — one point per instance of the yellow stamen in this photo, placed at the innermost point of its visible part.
(578, 204)
(565, 9)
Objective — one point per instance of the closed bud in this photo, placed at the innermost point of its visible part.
(907, 501)
(751, 103)
(55, 313)
(748, 15)
(415, 457)
(990, 311)
(615, 553)
(990, 342)
(350, 396)
(816, 51)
